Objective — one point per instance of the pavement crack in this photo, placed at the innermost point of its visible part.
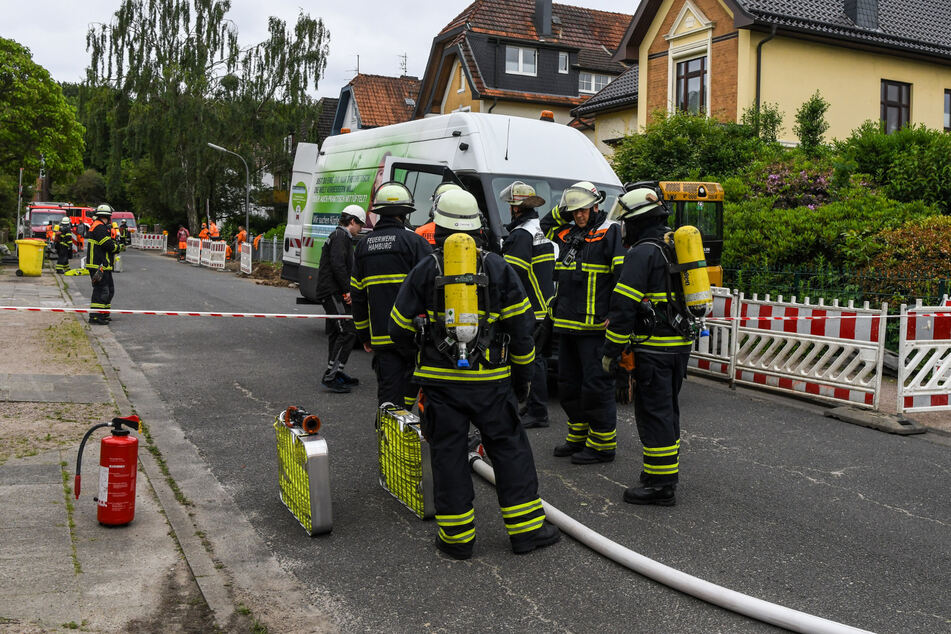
(251, 397)
(537, 612)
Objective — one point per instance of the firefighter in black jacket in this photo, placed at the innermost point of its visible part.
(381, 262)
(477, 384)
(532, 255)
(589, 261)
(639, 314)
(333, 292)
(100, 261)
(63, 235)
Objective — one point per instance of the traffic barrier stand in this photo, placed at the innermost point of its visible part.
(713, 355)
(204, 255)
(405, 468)
(193, 251)
(924, 358)
(246, 258)
(304, 466)
(829, 353)
(216, 252)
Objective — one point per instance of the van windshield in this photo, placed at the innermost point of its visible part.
(38, 217)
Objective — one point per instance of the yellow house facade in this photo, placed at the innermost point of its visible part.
(886, 60)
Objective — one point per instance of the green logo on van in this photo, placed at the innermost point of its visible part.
(299, 198)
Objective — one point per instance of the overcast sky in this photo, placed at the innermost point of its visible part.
(379, 31)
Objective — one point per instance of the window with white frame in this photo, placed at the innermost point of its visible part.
(692, 85)
(592, 82)
(520, 61)
(462, 80)
(562, 62)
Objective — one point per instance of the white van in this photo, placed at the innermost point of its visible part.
(482, 152)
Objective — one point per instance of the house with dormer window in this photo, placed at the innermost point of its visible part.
(371, 101)
(887, 60)
(519, 57)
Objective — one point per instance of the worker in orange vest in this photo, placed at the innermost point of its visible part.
(240, 239)
(257, 240)
(428, 230)
(182, 242)
(203, 234)
(213, 231)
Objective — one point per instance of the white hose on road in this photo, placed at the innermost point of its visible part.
(711, 593)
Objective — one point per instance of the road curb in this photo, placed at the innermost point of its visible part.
(890, 423)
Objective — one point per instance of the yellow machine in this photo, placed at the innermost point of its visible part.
(699, 204)
(688, 245)
(462, 303)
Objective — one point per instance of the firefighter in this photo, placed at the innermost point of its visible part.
(100, 261)
(589, 260)
(532, 256)
(486, 393)
(427, 230)
(638, 309)
(124, 233)
(381, 261)
(333, 292)
(63, 239)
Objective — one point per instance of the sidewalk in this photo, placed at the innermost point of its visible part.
(58, 567)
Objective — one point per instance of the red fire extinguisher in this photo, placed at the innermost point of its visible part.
(118, 460)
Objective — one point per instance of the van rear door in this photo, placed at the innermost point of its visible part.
(298, 212)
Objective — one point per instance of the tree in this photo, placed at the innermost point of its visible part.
(180, 80)
(35, 119)
(811, 124)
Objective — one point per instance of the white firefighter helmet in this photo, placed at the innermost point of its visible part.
(104, 210)
(357, 212)
(443, 188)
(638, 203)
(582, 195)
(520, 194)
(457, 210)
(393, 198)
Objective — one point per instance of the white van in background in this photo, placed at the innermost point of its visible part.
(482, 152)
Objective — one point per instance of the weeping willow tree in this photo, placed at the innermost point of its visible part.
(176, 78)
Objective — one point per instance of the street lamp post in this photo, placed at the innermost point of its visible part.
(247, 184)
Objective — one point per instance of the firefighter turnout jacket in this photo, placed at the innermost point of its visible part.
(645, 278)
(588, 264)
(101, 248)
(532, 255)
(382, 260)
(336, 262)
(509, 347)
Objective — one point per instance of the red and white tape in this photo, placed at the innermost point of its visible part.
(169, 313)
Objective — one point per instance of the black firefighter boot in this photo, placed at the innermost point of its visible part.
(546, 535)
(664, 495)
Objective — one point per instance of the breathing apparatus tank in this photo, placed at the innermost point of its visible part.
(462, 302)
(691, 261)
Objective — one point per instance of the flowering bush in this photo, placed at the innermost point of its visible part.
(793, 184)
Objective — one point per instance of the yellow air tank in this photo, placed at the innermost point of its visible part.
(689, 248)
(462, 301)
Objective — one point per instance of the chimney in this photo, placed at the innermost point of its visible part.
(864, 13)
(543, 18)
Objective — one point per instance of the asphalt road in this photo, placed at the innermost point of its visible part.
(775, 500)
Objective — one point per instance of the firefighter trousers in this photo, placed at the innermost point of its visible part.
(659, 378)
(586, 392)
(102, 293)
(63, 251)
(492, 408)
(341, 333)
(394, 378)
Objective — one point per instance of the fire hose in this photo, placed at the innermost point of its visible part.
(752, 607)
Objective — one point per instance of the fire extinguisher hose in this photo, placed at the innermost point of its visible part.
(759, 609)
(79, 456)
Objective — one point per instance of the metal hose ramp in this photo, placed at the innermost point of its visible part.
(746, 605)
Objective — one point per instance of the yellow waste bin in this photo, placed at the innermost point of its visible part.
(30, 252)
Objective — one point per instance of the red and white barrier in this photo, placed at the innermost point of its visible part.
(246, 258)
(830, 353)
(148, 241)
(924, 358)
(216, 250)
(193, 251)
(713, 354)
